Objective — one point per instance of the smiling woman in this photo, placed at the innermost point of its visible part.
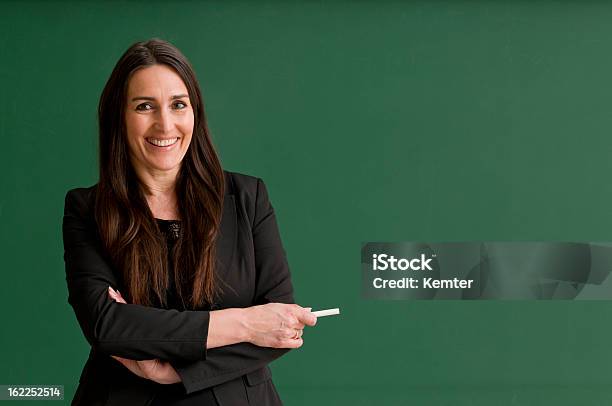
(159, 125)
(159, 120)
(207, 298)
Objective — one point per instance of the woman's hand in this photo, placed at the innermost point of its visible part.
(277, 325)
(154, 369)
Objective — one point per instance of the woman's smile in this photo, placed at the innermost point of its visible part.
(162, 144)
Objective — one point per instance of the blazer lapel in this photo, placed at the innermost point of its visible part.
(226, 240)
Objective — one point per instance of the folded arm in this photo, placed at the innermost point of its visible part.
(273, 285)
(126, 330)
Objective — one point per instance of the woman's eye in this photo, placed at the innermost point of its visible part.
(143, 107)
(179, 105)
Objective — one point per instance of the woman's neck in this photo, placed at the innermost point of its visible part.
(160, 193)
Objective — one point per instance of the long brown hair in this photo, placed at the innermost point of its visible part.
(126, 225)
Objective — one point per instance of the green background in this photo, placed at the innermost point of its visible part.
(368, 121)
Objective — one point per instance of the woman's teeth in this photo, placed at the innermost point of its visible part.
(162, 143)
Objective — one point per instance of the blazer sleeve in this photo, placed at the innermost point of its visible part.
(127, 330)
(273, 285)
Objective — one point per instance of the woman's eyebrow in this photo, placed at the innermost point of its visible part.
(177, 96)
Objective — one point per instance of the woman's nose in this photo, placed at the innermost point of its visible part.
(164, 121)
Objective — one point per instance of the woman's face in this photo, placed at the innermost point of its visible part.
(159, 120)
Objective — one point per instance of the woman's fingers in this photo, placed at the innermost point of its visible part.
(278, 325)
(159, 371)
(292, 323)
(115, 295)
(305, 316)
(155, 370)
(149, 367)
(121, 299)
(291, 343)
(131, 365)
(122, 360)
(162, 372)
(297, 317)
(293, 333)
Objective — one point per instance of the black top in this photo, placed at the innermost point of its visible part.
(171, 229)
(174, 394)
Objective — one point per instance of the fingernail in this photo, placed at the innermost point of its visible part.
(309, 309)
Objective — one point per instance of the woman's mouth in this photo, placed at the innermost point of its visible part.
(162, 142)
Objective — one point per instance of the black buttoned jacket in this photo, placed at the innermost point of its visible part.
(250, 259)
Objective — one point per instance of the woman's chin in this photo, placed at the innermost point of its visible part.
(164, 166)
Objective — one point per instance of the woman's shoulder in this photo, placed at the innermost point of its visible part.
(248, 192)
(240, 183)
(81, 198)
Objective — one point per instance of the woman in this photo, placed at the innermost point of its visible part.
(175, 268)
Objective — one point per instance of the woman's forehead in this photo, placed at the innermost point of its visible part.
(156, 81)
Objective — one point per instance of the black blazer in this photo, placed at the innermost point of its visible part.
(250, 259)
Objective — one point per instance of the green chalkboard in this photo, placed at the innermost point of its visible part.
(368, 121)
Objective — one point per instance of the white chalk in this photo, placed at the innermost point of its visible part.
(328, 312)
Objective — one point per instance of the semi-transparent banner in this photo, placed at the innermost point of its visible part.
(486, 270)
